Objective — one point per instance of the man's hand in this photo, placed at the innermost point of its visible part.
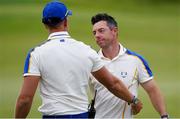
(136, 108)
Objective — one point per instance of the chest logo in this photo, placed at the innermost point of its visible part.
(124, 74)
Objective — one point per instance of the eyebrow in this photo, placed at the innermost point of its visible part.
(100, 28)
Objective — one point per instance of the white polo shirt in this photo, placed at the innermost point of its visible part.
(64, 65)
(130, 68)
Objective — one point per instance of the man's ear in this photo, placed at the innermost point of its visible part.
(65, 22)
(115, 29)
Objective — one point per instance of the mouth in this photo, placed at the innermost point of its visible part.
(100, 42)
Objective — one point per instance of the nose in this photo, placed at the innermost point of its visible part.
(97, 35)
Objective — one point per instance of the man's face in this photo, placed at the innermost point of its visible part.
(104, 35)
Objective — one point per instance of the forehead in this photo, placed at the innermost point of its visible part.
(99, 25)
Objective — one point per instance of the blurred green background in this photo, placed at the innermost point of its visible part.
(149, 27)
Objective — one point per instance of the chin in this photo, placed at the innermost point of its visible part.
(101, 45)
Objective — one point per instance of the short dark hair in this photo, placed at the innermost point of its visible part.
(52, 22)
(104, 17)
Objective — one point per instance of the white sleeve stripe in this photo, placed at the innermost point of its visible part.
(31, 74)
(146, 79)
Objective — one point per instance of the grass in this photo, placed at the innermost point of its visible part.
(150, 29)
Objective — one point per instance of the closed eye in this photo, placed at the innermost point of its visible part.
(102, 30)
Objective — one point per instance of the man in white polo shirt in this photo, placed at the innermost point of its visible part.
(62, 66)
(128, 66)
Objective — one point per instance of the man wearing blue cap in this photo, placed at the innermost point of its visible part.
(62, 66)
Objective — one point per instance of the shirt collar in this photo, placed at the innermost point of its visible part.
(55, 35)
(121, 52)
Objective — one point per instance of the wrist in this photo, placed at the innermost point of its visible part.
(165, 116)
(134, 100)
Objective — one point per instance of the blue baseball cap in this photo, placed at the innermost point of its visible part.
(56, 9)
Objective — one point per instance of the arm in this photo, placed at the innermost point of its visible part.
(26, 95)
(113, 84)
(155, 95)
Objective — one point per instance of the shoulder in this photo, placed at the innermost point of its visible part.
(136, 55)
(141, 61)
(36, 49)
(85, 47)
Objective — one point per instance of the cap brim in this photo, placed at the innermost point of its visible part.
(69, 13)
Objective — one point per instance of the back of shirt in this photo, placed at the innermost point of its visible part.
(64, 65)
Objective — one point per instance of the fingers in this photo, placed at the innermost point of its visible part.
(136, 108)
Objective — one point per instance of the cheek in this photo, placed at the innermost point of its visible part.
(112, 36)
(109, 36)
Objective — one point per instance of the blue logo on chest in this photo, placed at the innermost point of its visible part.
(124, 74)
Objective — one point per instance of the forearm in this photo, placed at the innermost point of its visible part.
(158, 102)
(155, 95)
(113, 84)
(121, 91)
(23, 106)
